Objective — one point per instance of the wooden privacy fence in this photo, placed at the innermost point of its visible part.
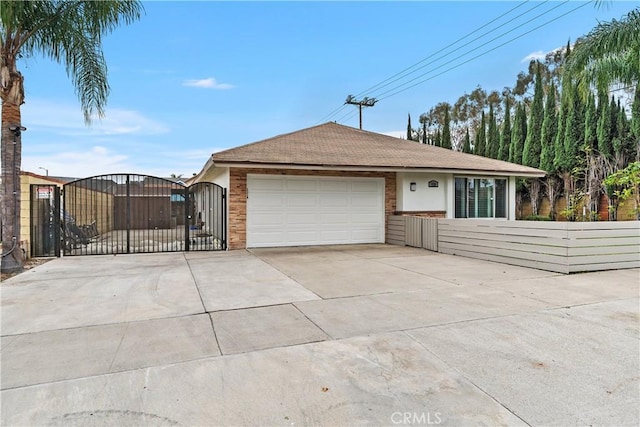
(413, 231)
(563, 247)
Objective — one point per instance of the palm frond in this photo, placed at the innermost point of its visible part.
(69, 32)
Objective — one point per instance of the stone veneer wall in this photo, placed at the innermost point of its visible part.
(237, 195)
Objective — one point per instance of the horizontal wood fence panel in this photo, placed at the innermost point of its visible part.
(510, 254)
(561, 234)
(603, 250)
(395, 230)
(522, 248)
(529, 263)
(601, 242)
(603, 266)
(561, 247)
(527, 240)
(554, 246)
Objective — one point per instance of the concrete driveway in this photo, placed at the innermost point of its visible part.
(342, 335)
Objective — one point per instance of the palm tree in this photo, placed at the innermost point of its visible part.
(70, 33)
(609, 54)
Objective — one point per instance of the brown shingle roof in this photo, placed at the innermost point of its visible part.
(331, 145)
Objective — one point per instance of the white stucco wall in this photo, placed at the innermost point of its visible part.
(424, 198)
(441, 198)
(218, 176)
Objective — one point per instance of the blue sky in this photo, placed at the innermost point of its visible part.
(192, 78)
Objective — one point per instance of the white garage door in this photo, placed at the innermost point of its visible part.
(306, 210)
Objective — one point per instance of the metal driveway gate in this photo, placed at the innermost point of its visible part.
(129, 213)
(44, 219)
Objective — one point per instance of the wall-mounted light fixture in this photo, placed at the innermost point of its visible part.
(412, 186)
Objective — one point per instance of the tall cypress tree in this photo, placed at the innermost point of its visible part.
(604, 127)
(481, 137)
(424, 132)
(573, 132)
(623, 143)
(466, 147)
(635, 119)
(549, 130)
(532, 145)
(446, 130)
(591, 124)
(505, 136)
(562, 125)
(519, 134)
(493, 137)
(409, 129)
(437, 141)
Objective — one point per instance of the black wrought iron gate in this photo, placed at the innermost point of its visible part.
(130, 213)
(44, 220)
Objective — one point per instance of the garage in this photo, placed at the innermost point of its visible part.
(310, 210)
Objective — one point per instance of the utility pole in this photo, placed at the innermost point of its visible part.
(365, 102)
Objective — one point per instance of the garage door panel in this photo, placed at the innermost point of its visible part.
(364, 201)
(269, 219)
(296, 200)
(364, 218)
(301, 237)
(267, 184)
(267, 200)
(306, 185)
(301, 219)
(331, 186)
(334, 200)
(334, 218)
(294, 210)
(365, 235)
(365, 186)
(335, 236)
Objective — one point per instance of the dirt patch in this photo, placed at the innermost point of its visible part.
(28, 265)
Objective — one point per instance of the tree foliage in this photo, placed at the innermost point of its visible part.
(548, 135)
(532, 145)
(609, 54)
(69, 33)
(519, 134)
(505, 136)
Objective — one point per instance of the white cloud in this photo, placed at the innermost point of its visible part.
(533, 56)
(96, 160)
(209, 83)
(396, 133)
(66, 119)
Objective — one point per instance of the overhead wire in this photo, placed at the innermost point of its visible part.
(336, 110)
(397, 89)
(505, 33)
(481, 54)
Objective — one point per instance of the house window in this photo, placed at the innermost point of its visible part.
(480, 198)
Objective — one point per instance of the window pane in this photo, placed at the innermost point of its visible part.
(484, 198)
(501, 198)
(461, 199)
(471, 198)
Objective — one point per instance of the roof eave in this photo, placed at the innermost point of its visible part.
(355, 168)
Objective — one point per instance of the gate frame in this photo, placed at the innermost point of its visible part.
(222, 212)
(55, 210)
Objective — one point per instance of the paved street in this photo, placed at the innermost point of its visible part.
(339, 335)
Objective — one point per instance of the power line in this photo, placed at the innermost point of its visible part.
(336, 110)
(366, 102)
(477, 47)
(484, 53)
(468, 43)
